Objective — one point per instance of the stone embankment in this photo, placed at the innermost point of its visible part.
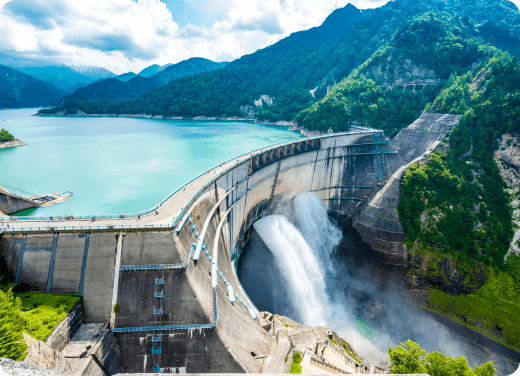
(507, 158)
(11, 144)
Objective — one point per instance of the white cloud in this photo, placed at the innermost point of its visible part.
(124, 35)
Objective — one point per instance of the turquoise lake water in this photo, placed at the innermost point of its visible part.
(118, 165)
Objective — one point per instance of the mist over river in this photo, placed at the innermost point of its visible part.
(118, 165)
(297, 263)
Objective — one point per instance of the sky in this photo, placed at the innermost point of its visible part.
(129, 35)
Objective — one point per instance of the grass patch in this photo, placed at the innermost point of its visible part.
(286, 325)
(43, 312)
(351, 353)
(493, 310)
(295, 365)
(32, 312)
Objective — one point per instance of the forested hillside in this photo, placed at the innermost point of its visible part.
(112, 88)
(130, 85)
(425, 50)
(308, 60)
(20, 90)
(456, 211)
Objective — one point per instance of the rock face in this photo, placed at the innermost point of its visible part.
(444, 274)
(264, 99)
(402, 72)
(507, 158)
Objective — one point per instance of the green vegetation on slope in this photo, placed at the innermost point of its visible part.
(295, 365)
(410, 358)
(27, 311)
(493, 310)
(429, 43)
(456, 206)
(5, 135)
(34, 313)
(112, 88)
(361, 99)
(462, 194)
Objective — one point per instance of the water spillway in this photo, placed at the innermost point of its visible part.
(206, 326)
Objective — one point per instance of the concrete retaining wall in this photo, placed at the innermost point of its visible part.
(11, 203)
(61, 336)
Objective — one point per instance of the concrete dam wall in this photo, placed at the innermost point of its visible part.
(170, 292)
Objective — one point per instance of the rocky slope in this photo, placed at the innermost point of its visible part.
(507, 158)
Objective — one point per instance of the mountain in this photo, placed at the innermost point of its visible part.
(130, 85)
(425, 50)
(64, 77)
(21, 90)
(186, 68)
(113, 88)
(126, 76)
(296, 72)
(75, 87)
(153, 69)
(285, 71)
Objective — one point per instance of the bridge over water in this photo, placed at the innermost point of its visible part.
(165, 278)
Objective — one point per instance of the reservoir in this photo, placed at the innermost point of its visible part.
(118, 165)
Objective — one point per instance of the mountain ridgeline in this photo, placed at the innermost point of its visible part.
(310, 60)
(67, 78)
(18, 89)
(130, 85)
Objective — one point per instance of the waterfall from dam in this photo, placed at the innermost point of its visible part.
(302, 251)
(301, 265)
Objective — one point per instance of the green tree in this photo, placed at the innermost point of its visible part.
(408, 358)
(411, 358)
(5, 135)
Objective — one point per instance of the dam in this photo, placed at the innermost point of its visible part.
(164, 280)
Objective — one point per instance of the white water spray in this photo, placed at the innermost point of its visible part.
(313, 220)
(300, 258)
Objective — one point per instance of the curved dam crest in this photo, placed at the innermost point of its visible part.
(177, 314)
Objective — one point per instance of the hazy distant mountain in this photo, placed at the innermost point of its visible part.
(63, 77)
(18, 89)
(126, 86)
(187, 68)
(126, 76)
(75, 87)
(153, 69)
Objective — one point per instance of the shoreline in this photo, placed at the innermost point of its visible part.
(12, 144)
(146, 116)
(292, 125)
